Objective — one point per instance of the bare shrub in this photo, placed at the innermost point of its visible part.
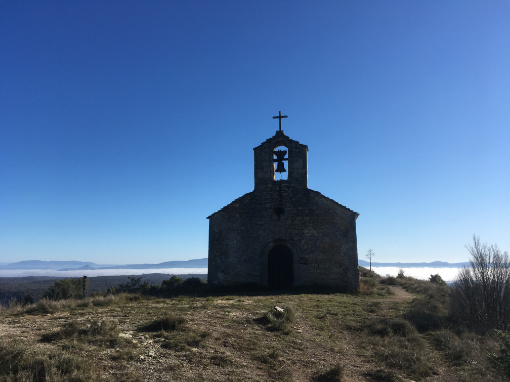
(481, 293)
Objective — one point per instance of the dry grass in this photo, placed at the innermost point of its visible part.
(317, 337)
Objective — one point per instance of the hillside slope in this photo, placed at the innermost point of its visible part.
(327, 337)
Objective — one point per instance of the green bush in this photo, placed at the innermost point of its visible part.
(437, 279)
(133, 285)
(390, 280)
(66, 289)
(193, 284)
(172, 283)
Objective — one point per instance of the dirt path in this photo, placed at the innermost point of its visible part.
(400, 294)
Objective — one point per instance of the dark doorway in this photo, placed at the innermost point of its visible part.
(280, 267)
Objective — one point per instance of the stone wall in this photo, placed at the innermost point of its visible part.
(320, 232)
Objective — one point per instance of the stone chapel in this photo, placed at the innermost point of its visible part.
(283, 234)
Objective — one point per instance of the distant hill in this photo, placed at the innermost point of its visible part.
(195, 263)
(81, 265)
(433, 264)
(39, 264)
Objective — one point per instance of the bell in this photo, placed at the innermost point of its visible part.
(280, 167)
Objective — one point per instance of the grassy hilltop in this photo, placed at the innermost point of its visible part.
(395, 329)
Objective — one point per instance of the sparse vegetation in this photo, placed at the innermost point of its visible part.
(481, 294)
(22, 362)
(332, 375)
(66, 289)
(279, 319)
(164, 324)
(397, 329)
(437, 279)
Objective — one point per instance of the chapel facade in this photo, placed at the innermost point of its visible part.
(283, 234)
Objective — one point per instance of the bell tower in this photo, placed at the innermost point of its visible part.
(271, 160)
(282, 234)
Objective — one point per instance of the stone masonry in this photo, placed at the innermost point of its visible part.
(282, 234)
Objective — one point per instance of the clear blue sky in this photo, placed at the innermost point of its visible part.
(124, 124)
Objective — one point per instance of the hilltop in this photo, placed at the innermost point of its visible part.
(395, 329)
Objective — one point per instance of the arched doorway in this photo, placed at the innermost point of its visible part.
(280, 267)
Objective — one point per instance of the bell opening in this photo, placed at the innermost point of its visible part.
(281, 163)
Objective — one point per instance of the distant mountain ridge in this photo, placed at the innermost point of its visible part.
(83, 265)
(433, 264)
(40, 264)
(194, 263)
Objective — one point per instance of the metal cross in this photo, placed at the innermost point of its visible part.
(280, 116)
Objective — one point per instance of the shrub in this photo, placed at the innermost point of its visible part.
(66, 289)
(20, 362)
(47, 306)
(363, 272)
(270, 358)
(133, 285)
(501, 360)
(172, 283)
(481, 293)
(427, 313)
(332, 375)
(104, 330)
(193, 284)
(367, 286)
(389, 280)
(279, 318)
(220, 360)
(391, 327)
(182, 340)
(404, 353)
(103, 301)
(437, 279)
(165, 323)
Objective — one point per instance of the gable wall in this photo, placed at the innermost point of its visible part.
(320, 232)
